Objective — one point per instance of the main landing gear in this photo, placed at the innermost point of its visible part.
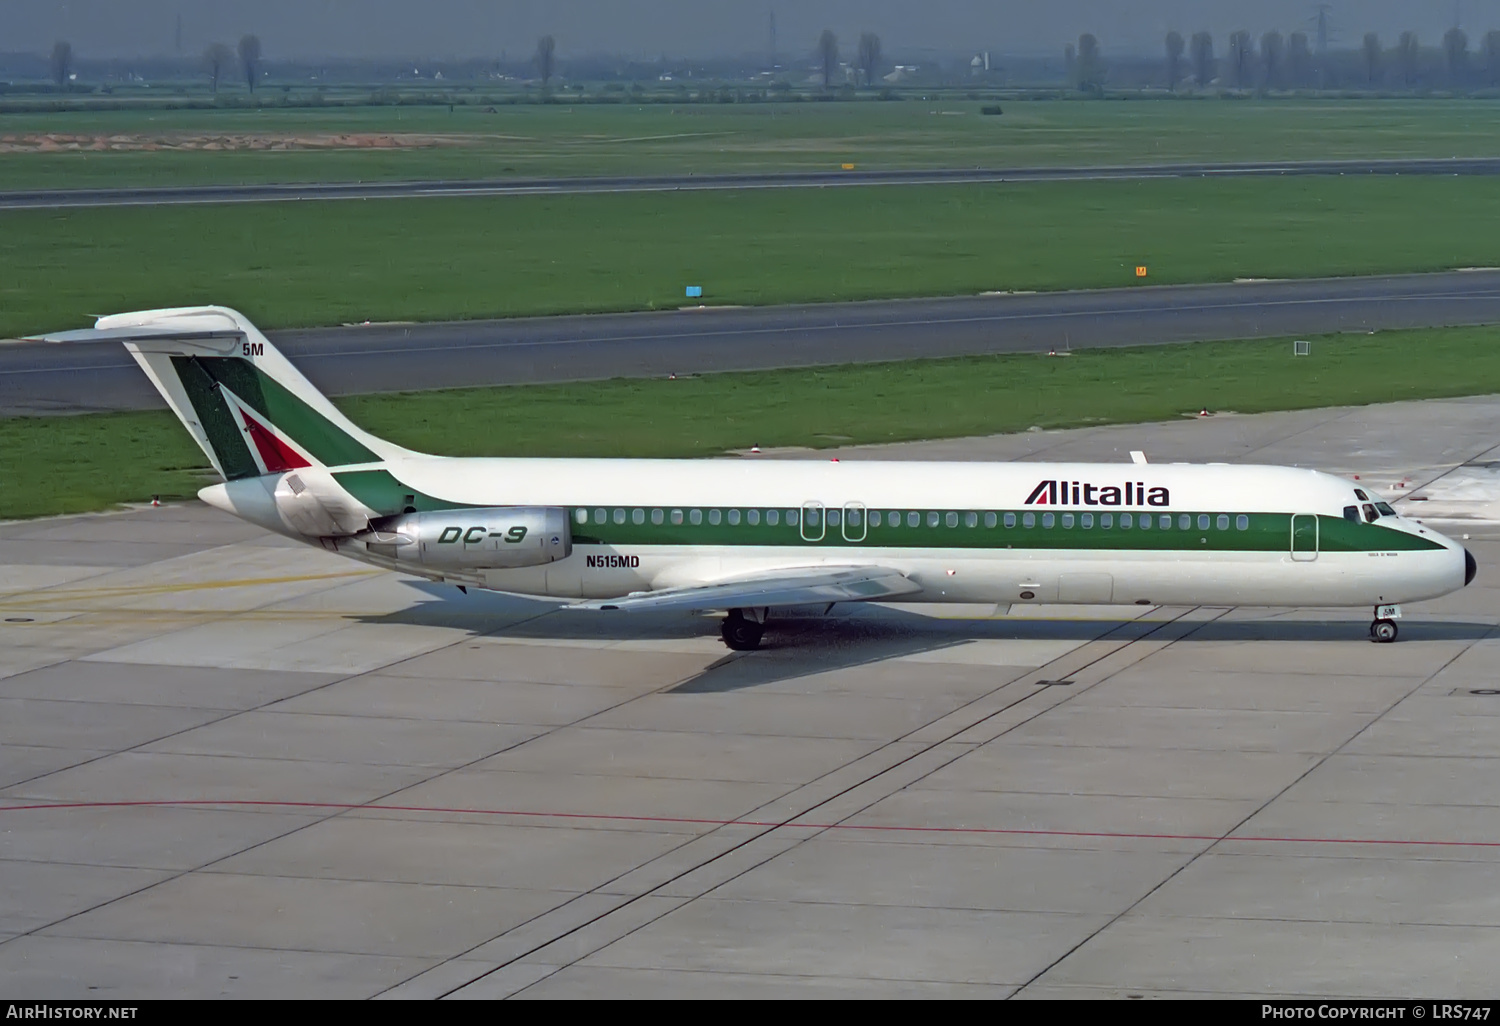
(1384, 627)
(742, 629)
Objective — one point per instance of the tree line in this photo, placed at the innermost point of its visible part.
(1275, 61)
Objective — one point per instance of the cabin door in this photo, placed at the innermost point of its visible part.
(854, 521)
(1304, 537)
(812, 521)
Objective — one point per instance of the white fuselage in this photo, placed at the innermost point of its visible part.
(1217, 534)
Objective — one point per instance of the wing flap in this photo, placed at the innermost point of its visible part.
(799, 586)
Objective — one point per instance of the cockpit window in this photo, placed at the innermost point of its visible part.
(1385, 509)
(1360, 495)
(1370, 515)
(1351, 514)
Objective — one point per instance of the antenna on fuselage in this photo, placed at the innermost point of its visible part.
(1136, 456)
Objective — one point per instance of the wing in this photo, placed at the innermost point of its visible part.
(797, 586)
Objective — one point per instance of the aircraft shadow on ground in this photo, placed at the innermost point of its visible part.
(798, 646)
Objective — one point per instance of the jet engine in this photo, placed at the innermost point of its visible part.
(488, 538)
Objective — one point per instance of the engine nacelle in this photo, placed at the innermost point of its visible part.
(489, 538)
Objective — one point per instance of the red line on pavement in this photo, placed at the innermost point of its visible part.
(694, 821)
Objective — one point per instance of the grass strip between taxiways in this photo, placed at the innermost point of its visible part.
(67, 464)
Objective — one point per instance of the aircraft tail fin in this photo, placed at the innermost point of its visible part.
(247, 407)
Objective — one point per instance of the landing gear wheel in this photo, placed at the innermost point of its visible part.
(1383, 631)
(740, 634)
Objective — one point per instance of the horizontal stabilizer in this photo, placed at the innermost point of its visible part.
(227, 335)
(797, 586)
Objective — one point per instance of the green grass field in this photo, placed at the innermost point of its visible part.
(331, 262)
(72, 464)
(559, 140)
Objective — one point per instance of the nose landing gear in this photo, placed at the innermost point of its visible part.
(1384, 627)
(741, 632)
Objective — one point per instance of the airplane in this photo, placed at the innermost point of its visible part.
(744, 536)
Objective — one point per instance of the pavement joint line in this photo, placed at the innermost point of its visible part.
(624, 904)
(790, 822)
(230, 714)
(1321, 761)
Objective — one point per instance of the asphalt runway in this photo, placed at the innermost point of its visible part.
(232, 766)
(39, 378)
(51, 199)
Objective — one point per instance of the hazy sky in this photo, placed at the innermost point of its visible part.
(443, 28)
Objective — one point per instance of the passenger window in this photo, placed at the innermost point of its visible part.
(695, 517)
(1242, 523)
(1145, 521)
(913, 520)
(932, 519)
(851, 517)
(1028, 520)
(734, 517)
(1106, 521)
(1086, 520)
(1048, 520)
(582, 516)
(812, 518)
(971, 519)
(833, 518)
(1010, 520)
(1164, 522)
(773, 517)
(1185, 522)
(656, 517)
(600, 516)
(619, 516)
(1067, 521)
(791, 518)
(638, 516)
(1127, 521)
(1223, 521)
(752, 516)
(1203, 521)
(990, 520)
(677, 516)
(951, 520)
(714, 516)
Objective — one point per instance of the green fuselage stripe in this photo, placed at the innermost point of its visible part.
(1265, 532)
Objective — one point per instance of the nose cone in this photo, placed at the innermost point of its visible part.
(1470, 567)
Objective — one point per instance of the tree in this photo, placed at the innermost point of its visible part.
(1456, 53)
(250, 59)
(1241, 57)
(1298, 59)
(1371, 51)
(1271, 58)
(216, 59)
(1090, 68)
(546, 62)
(62, 62)
(1174, 59)
(1491, 47)
(1407, 50)
(869, 56)
(1203, 58)
(828, 55)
